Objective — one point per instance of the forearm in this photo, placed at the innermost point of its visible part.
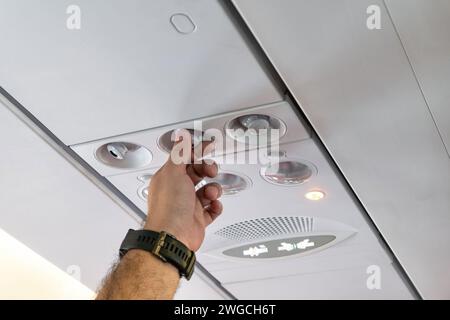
(141, 275)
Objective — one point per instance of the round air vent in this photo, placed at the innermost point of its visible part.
(166, 141)
(124, 155)
(248, 127)
(288, 172)
(231, 183)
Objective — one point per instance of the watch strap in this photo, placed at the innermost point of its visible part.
(164, 246)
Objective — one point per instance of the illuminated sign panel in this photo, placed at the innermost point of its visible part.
(279, 248)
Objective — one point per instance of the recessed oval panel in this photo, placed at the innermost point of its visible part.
(183, 23)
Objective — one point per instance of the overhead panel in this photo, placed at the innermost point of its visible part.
(151, 148)
(356, 86)
(424, 28)
(271, 226)
(96, 69)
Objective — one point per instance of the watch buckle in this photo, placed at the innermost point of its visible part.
(159, 244)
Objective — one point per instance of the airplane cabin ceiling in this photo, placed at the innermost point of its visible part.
(373, 100)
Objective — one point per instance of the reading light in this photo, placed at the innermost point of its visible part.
(315, 195)
(143, 192)
(166, 141)
(124, 155)
(242, 127)
(231, 183)
(145, 177)
(288, 172)
(143, 189)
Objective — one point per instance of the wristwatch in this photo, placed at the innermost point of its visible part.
(164, 246)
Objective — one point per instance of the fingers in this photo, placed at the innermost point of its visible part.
(215, 208)
(209, 193)
(200, 171)
(212, 191)
(193, 175)
(213, 211)
(202, 154)
(206, 170)
(207, 148)
(183, 153)
(211, 206)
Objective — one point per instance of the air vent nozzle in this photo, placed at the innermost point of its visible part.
(124, 155)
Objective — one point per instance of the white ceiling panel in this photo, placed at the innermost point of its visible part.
(424, 28)
(357, 88)
(127, 68)
(198, 288)
(52, 208)
(340, 284)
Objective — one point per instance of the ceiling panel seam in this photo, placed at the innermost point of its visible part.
(397, 34)
(254, 46)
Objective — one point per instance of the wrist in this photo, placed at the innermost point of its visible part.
(170, 230)
(143, 256)
(161, 245)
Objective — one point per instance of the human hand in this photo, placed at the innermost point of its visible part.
(173, 204)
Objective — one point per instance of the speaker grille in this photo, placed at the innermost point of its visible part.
(266, 228)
